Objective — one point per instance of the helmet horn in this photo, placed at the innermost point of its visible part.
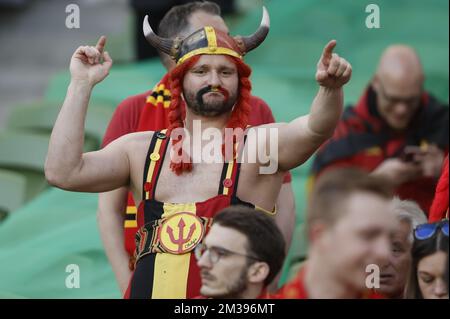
(163, 44)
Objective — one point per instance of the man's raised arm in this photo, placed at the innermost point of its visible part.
(299, 139)
(66, 166)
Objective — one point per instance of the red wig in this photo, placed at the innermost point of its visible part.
(238, 119)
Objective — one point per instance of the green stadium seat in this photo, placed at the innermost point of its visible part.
(23, 150)
(41, 116)
(13, 191)
(24, 153)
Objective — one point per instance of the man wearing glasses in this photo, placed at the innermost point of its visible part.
(396, 130)
(241, 255)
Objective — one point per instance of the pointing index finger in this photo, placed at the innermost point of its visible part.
(100, 46)
(328, 50)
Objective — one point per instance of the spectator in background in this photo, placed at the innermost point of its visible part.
(397, 130)
(148, 111)
(429, 257)
(241, 255)
(157, 9)
(349, 225)
(394, 273)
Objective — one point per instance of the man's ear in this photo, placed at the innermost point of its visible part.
(258, 272)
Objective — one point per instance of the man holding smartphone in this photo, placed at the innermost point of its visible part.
(397, 130)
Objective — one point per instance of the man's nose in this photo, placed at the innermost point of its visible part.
(204, 261)
(214, 79)
(383, 252)
(401, 108)
(385, 264)
(386, 261)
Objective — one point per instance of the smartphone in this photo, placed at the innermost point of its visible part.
(409, 153)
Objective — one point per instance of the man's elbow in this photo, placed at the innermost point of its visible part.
(55, 177)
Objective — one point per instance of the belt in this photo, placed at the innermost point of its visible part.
(176, 234)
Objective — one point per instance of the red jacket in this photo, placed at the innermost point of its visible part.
(362, 139)
(439, 208)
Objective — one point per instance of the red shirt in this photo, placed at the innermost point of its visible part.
(263, 295)
(296, 289)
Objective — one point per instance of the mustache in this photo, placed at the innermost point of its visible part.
(207, 275)
(210, 88)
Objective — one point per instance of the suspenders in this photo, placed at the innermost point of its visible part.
(153, 163)
(155, 158)
(230, 173)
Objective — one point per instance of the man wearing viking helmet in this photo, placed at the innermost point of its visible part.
(148, 111)
(179, 199)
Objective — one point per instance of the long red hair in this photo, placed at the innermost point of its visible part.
(238, 119)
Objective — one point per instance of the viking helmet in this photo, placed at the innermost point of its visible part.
(208, 41)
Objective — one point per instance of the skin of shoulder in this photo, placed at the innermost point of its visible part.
(136, 146)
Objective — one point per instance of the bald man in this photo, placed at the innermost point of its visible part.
(396, 130)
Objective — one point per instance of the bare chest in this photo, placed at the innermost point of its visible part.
(198, 185)
(203, 182)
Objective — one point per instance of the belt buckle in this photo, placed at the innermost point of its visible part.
(180, 233)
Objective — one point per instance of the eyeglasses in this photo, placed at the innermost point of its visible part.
(426, 231)
(215, 253)
(393, 99)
